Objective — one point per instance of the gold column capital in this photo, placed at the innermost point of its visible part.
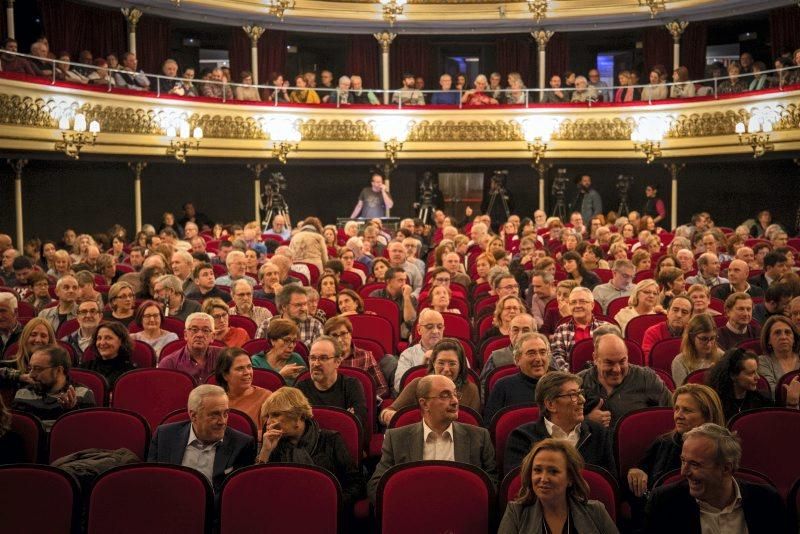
(132, 15)
(385, 40)
(542, 37)
(676, 28)
(254, 33)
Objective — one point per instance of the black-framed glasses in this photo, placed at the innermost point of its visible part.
(574, 396)
(320, 359)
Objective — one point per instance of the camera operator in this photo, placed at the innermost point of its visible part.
(588, 200)
(374, 201)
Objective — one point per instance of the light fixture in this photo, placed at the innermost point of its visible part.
(284, 134)
(655, 6)
(76, 137)
(538, 9)
(180, 142)
(537, 132)
(392, 131)
(647, 136)
(756, 135)
(392, 9)
(278, 7)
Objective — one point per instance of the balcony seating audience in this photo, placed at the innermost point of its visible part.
(129, 77)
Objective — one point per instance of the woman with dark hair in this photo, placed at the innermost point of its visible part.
(554, 496)
(735, 379)
(279, 86)
(349, 302)
(781, 342)
(573, 264)
(147, 278)
(149, 316)
(12, 447)
(113, 350)
(46, 256)
(117, 249)
(280, 355)
(447, 359)
(378, 270)
(107, 268)
(234, 374)
(328, 287)
(682, 86)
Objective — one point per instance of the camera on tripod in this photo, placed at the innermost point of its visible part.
(623, 189)
(272, 199)
(559, 191)
(427, 198)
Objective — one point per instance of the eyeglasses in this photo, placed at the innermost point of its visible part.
(574, 396)
(337, 335)
(320, 359)
(149, 316)
(447, 395)
(706, 339)
(510, 286)
(432, 327)
(220, 316)
(205, 331)
(83, 313)
(35, 369)
(289, 340)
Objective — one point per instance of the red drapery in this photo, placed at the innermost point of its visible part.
(693, 49)
(516, 54)
(239, 54)
(783, 28)
(75, 27)
(363, 56)
(271, 54)
(556, 57)
(152, 42)
(411, 54)
(657, 49)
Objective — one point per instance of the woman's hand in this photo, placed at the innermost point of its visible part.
(792, 392)
(637, 481)
(269, 441)
(291, 370)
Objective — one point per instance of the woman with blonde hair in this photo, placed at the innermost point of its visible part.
(35, 334)
(506, 309)
(643, 301)
(699, 349)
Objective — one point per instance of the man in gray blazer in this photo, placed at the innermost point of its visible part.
(204, 443)
(438, 437)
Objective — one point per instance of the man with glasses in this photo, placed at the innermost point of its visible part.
(198, 358)
(401, 293)
(327, 386)
(51, 393)
(292, 302)
(504, 285)
(520, 325)
(561, 401)
(430, 328)
(243, 299)
(88, 318)
(67, 293)
(620, 285)
(439, 436)
(341, 329)
(614, 386)
(168, 289)
(580, 326)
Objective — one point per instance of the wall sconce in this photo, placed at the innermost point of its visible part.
(756, 135)
(279, 7)
(537, 132)
(538, 9)
(180, 142)
(647, 136)
(284, 134)
(75, 138)
(392, 131)
(392, 9)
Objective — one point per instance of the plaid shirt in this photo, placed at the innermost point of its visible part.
(258, 314)
(310, 329)
(564, 340)
(363, 359)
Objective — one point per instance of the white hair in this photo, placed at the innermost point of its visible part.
(8, 299)
(198, 315)
(199, 393)
(234, 255)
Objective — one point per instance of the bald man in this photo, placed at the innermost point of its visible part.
(738, 272)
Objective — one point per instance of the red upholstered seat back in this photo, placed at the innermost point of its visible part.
(635, 432)
(152, 393)
(504, 422)
(29, 428)
(101, 428)
(54, 508)
(346, 424)
(237, 420)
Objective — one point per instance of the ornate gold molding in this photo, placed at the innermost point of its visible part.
(542, 37)
(676, 28)
(385, 40)
(132, 15)
(254, 33)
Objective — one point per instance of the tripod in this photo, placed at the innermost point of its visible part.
(493, 198)
(560, 208)
(275, 205)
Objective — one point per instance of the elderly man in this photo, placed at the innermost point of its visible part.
(284, 265)
(739, 310)
(341, 329)
(182, 264)
(580, 326)
(678, 315)
(775, 266)
(292, 303)
(430, 328)
(7, 276)
(439, 436)
(398, 291)
(205, 442)
(89, 316)
(685, 260)
(169, 291)
(198, 358)
(270, 277)
(327, 386)
(711, 499)
(218, 88)
(203, 278)
(708, 268)
(620, 285)
(237, 265)
(67, 293)
(452, 262)
(532, 358)
(243, 303)
(279, 228)
(738, 271)
(398, 259)
(793, 311)
(541, 291)
(10, 327)
(130, 78)
(520, 324)
(51, 393)
(747, 255)
(561, 401)
(615, 387)
(413, 246)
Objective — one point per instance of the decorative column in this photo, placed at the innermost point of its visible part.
(257, 169)
(385, 40)
(676, 28)
(137, 167)
(254, 33)
(674, 169)
(541, 169)
(132, 15)
(18, 165)
(542, 37)
(10, 18)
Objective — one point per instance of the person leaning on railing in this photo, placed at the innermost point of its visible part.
(656, 90)
(734, 84)
(557, 94)
(246, 91)
(100, 75)
(303, 95)
(683, 87)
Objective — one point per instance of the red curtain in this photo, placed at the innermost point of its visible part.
(693, 49)
(75, 27)
(239, 54)
(784, 25)
(657, 49)
(271, 54)
(411, 54)
(363, 56)
(152, 42)
(516, 54)
(556, 57)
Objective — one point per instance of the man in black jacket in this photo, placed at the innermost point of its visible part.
(560, 399)
(711, 499)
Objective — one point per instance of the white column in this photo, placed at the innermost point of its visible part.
(132, 15)
(674, 169)
(385, 40)
(676, 28)
(541, 169)
(257, 169)
(18, 165)
(542, 37)
(254, 33)
(10, 19)
(137, 168)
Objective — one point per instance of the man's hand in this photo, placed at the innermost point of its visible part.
(637, 481)
(407, 290)
(598, 415)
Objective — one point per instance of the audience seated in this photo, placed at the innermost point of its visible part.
(292, 303)
(341, 329)
(780, 341)
(112, 348)
(234, 374)
(581, 325)
(197, 358)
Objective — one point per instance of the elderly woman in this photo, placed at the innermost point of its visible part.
(642, 260)
(35, 334)
(553, 496)
(122, 301)
(281, 357)
(149, 316)
(308, 245)
(349, 302)
(113, 350)
(781, 342)
(62, 264)
(656, 90)
(643, 301)
(328, 286)
(573, 265)
(40, 296)
(292, 436)
(234, 374)
(478, 96)
(735, 379)
(447, 359)
(699, 349)
(733, 84)
(700, 296)
(440, 297)
(583, 91)
(230, 336)
(506, 309)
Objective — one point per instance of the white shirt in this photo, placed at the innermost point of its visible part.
(557, 433)
(728, 519)
(200, 456)
(435, 447)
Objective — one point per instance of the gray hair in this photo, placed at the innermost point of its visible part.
(527, 336)
(285, 295)
(428, 311)
(199, 393)
(170, 281)
(311, 293)
(605, 330)
(728, 444)
(185, 256)
(622, 264)
(581, 289)
(238, 282)
(549, 387)
(233, 255)
(8, 299)
(65, 278)
(198, 315)
(547, 277)
(337, 350)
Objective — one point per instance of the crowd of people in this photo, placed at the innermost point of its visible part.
(531, 290)
(310, 87)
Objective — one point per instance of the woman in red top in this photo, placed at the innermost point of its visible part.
(477, 96)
